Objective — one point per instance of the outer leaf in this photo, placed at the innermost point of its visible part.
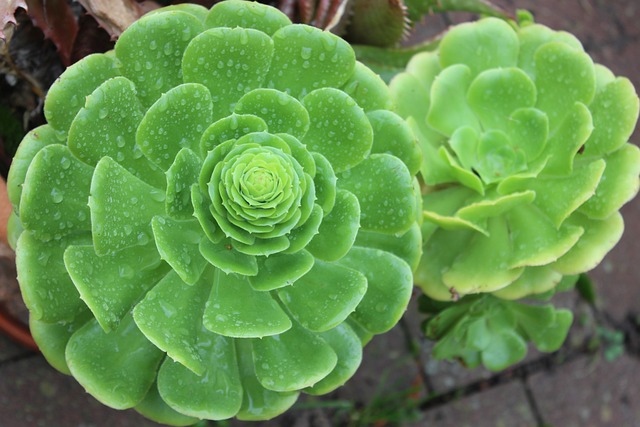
(258, 403)
(383, 304)
(292, 360)
(32, 143)
(106, 127)
(344, 341)
(339, 128)
(615, 112)
(247, 55)
(243, 14)
(307, 58)
(112, 284)
(488, 43)
(156, 409)
(117, 368)
(170, 316)
(382, 183)
(216, 394)
(55, 176)
(156, 68)
(67, 95)
(176, 120)
(325, 296)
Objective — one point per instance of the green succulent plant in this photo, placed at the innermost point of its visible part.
(525, 160)
(217, 216)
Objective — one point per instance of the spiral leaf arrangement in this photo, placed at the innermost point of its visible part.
(218, 215)
(526, 165)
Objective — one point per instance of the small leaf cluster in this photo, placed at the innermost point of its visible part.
(217, 216)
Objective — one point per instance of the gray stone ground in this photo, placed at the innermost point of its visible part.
(577, 386)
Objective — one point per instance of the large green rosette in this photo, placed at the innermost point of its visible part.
(217, 217)
(526, 164)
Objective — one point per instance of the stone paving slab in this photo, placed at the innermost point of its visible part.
(32, 394)
(590, 392)
(505, 405)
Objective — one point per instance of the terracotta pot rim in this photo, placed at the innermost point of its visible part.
(16, 330)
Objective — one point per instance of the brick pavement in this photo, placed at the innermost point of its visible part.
(577, 386)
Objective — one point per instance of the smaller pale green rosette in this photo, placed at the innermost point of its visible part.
(217, 217)
(525, 158)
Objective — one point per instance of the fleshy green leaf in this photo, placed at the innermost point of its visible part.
(536, 241)
(117, 368)
(214, 395)
(150, 52)
(449, 108)
(31, 144)
(67, 95)
(52, 338)
(347, 346)
(106, 126)
(565, 142)
(325, 296)
(488, 43)
(599, 238)
(368, 89)
(227, 258)
(55, 176)
(534, 280)
(177, 242)
(324, 183)
(338, 229)
(258, 403)
(112, 284)
(281, 112)
(384, 188)
(407, 246)
(235, 309)
(244, 14)
(339, 128)
(229, 62)
(46, 287)
(496, 93)
(231, 127)
(392, 135)
(293, 360)
(170, 316)
(615, 112)
(182, 174)
(176, 120)
(389, 285)
(306, 58)
(482, 266)
(618, 185)
(276, 271)
(557, 66)
(558, 197)
(156, 409)
(122, 207)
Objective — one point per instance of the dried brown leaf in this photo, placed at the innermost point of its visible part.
(116, 16)
(7, 14)
(58, 23)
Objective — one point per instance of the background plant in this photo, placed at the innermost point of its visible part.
(526, 164)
